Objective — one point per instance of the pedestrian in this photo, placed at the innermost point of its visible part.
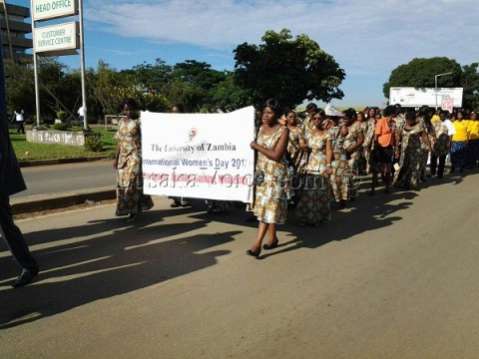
(130, 198)
(341, 178)
(11, 182)
(459, 144)
(296, 154)
(442, 144)
(410, 153)
(311, 110)
(271, 203)
(353, 147)
(473, 129)
(20, 121)
(314, 206)
(81, 113)
(368, 127)
(385, 142)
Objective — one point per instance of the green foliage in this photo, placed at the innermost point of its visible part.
(61, 126)
(289, 69)
(470, 82)
(93, 141)
(420, 73)
(62, 115)
(228, 96)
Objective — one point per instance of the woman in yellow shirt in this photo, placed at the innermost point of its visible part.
(473, 130)
(459, 144)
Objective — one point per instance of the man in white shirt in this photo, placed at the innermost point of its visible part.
(20, 121)
(444, 130)
(81, 113)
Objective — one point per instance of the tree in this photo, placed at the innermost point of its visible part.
(228, 96)
(470, 82)
(112, 88)
(289, 69)
(420, 73)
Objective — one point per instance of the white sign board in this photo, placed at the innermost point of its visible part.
(199, 155)
(52, 9)
(56, 38)
(412, 97)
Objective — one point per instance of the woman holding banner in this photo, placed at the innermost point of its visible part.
(130, 198)
(271, 202)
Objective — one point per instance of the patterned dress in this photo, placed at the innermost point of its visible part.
(271, 202)
(368, 130)
(294, 150)
(354, 133)
(342, 175)
(130, 198)
(314, 206)
(411, 156)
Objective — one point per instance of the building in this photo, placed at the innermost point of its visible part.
(15, 28)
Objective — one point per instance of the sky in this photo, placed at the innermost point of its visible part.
(368, 38)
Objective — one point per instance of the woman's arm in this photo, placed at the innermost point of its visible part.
(279, 150)
(358, 144)
(329, 156)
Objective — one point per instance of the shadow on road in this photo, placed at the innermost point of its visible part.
(104, 266)
(106, 258)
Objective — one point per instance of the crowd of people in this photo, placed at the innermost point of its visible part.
(305, 165)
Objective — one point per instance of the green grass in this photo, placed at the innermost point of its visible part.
(35, 152)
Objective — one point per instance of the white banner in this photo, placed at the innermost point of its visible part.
(412, 97)
(56, 38)
(52, 9)
(199, 155)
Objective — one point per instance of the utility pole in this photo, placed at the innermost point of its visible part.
(436, 77)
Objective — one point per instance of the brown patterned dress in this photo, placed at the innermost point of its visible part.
(314, 206)
(271, 202)
(130, 198)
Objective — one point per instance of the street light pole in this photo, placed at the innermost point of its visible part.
(435, 83)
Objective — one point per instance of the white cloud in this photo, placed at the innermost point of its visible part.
(365, 36)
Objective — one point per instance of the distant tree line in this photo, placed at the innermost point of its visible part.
(291, 69)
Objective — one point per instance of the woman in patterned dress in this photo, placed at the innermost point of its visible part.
(314, 205)
(129, 193)
(412, 134)
(271, 202)
(368, 127)
(341, 177)
(353, 146)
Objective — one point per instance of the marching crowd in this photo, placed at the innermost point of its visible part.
(305, 165)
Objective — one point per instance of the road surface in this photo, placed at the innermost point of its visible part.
(68, 177)
(396, 276)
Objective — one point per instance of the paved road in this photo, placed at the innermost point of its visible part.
(68, 177)
(394, 277)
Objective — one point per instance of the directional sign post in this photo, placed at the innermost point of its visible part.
(59, 39)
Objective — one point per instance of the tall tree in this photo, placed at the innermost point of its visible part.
(289, 69)
(420, 73)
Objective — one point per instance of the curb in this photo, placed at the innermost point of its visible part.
(39, 203)
(24, 164)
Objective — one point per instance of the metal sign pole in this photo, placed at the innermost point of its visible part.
(35, 68)
(82, 65)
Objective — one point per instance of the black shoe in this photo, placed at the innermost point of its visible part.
(271, 246)
(254, 254)
(25, 278)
